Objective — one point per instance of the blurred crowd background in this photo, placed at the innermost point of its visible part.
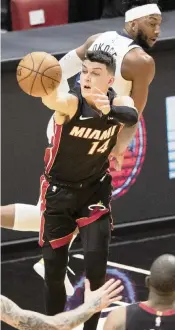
(14, 13)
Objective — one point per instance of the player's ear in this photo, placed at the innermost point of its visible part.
(134, 26)
(111, 81)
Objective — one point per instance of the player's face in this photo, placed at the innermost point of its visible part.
(95, 74)
(148, 30)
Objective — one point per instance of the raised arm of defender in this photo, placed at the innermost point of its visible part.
(94, 302)
(71, 63)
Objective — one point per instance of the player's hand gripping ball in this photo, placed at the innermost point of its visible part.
(38, 74)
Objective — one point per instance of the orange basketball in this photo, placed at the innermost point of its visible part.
(38, 74)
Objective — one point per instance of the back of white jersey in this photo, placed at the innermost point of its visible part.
(118, 46)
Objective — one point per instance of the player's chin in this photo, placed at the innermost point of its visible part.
(85, 91)
(151, 43)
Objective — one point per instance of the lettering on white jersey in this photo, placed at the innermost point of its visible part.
(105, 48)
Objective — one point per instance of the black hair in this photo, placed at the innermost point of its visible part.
(162, 276)
(102, 57)
(129, 4)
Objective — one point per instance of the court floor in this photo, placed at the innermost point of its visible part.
(130, 258)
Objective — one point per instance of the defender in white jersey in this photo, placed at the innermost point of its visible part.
(135, 71)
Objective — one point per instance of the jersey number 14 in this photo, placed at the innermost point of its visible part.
(101, 149)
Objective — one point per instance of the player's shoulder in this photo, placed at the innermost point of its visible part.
(108, 33)
(138, 64)
(116, 319)
(138, 57)
(103, 35)
(75, 93)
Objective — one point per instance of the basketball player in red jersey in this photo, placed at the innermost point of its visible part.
(76, 186)
(158, 312)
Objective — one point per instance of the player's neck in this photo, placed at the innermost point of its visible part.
(160, 302)
(128, 33)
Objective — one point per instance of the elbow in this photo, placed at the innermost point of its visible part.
(125, 115)
(132, 118)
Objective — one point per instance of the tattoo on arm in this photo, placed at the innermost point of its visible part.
(79, 315)
(25, 320)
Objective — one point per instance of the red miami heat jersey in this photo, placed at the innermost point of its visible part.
(141, 317)
(80, 148)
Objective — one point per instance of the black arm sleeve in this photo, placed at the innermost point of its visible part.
(125, 115)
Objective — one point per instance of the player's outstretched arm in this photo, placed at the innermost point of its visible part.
(22, 319)
(64, 104)
(22, 217)
(71, 63)
(94, 302)
(7, 215)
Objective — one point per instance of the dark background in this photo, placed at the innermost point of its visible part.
(153, 194)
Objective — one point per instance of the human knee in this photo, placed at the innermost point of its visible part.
(55, 262)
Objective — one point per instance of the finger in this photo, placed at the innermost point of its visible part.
(88, 95)
(106, 101)
(87, 285)
(105, 109)
(108, 284)
(116, 292)
(113, 300)
(97, 89)
(100, 97)
(113, 286)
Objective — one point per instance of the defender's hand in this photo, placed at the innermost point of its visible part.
(104, 296)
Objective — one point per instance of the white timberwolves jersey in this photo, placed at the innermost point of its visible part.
(118, 46)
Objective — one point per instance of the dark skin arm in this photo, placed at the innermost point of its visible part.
(139, 68)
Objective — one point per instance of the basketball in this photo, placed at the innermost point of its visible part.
(38, 74)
